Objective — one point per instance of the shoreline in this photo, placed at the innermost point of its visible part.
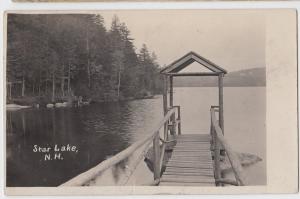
(59, 103)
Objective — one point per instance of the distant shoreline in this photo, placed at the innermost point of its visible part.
(213, 86)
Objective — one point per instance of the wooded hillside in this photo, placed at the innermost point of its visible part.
(54, 57)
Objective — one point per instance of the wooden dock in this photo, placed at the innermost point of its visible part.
(196, 158)
(191, 162)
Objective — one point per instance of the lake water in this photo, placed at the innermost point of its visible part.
(102, 130)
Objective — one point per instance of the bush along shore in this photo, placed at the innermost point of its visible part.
(70, 101)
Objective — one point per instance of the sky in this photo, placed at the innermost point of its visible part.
(233, 39)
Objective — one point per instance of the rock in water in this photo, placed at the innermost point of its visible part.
(15, 107)
(246, 159)
(50, 105)
(58, 104)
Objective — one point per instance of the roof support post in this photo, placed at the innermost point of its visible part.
(165, 94)
(172, 130)
(221, 108)
(165, 104)
(171, 91)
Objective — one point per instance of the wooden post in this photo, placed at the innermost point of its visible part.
(165, 95)
(156, 153)
(216, 156)
(221, 108)
(165, 105)
(179, 120)
(171, 91)
(172, 131)
(212, 141)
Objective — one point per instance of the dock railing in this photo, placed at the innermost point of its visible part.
(218, 141)
(171, 125)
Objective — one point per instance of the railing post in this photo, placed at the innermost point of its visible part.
(216, 156)
(165, 106)
(179, 120)
(212, 142)
(156, 154)
(172, 125)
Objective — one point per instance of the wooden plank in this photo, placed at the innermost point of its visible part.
(178, 178)
(176, 159)
(200, 165)
(193, 180)
(198, 136)
(197, 144)
(196, 167)
(189, 174)
(189, 165)
(206, 144)
(185, 184)
(192, 146)
(206, 148)
(174, 163)
(188, 155)
(199, 151)
(185, 170)
(187, 142)
(207, 151)
(191, 155)
(193, 141)
(182, 157)
(190, 162)
(193, 135)
(181, 169)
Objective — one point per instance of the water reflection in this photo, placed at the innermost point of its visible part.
(102, 130)
(98, 131)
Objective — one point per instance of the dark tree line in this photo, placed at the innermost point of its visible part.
(60, 56)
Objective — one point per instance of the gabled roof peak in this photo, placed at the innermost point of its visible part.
(189, 58)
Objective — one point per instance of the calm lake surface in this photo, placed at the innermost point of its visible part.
(101, 130)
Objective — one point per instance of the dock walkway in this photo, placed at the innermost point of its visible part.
(191, 162)
(196, 158)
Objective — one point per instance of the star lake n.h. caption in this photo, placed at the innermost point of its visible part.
(56, 152)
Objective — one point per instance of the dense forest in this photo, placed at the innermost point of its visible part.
(54, 58)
